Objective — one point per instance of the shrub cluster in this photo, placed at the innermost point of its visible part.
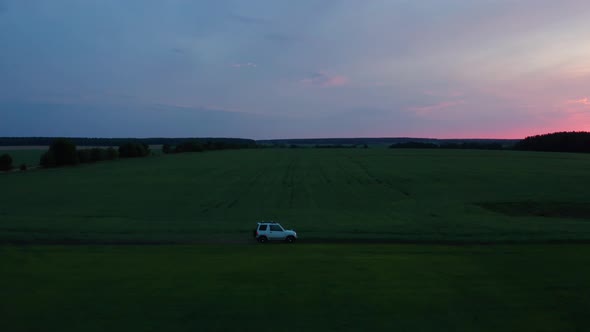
(183, 147)
(414, 145)
(96, 154)
(62, 152)
(335, 146)
(472, 145)
(5, 162)
(134, 150)
(197, 146)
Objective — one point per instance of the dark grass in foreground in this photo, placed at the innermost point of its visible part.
(300, 287)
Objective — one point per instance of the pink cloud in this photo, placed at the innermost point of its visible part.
(583, 101)
(576, 114)
(324, 80)
(337, 80)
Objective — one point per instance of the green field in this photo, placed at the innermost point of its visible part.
(295, 288)
(29, 157)
(479, 230)
(469, 196)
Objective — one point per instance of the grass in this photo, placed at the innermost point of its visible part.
(342, 195)
(29, 157)
(377, 194)
(295, 288)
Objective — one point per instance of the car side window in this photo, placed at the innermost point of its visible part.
(276, 228)
(262, 227)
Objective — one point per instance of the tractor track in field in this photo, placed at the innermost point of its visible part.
(375, 179)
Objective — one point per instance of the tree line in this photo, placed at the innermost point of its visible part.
(63, 152)
(200, 146)
(374, 141)
(463, 145)
(566, 141)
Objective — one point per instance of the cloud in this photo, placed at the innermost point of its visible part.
(576, 112)
(179, 50)
(249, 19)
(444, 93)
(424, 110)
(244, 65)
(324, 80)
(583, 101)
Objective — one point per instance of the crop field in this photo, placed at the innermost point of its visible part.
(404, 240)
(372, 194)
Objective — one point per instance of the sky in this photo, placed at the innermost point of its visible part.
(266, 69)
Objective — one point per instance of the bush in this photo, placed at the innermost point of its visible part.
(48, 159)
(23, 167)
(199, 146)
(111, 154)
(84, 156)
(5, 162)
(64, 152)
(97, 154)
(188, 147)
(134, 150)
(413, 145)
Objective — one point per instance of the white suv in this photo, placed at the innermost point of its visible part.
(272, 231)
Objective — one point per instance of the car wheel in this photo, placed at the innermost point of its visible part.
(262, 239)
(290, 239)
